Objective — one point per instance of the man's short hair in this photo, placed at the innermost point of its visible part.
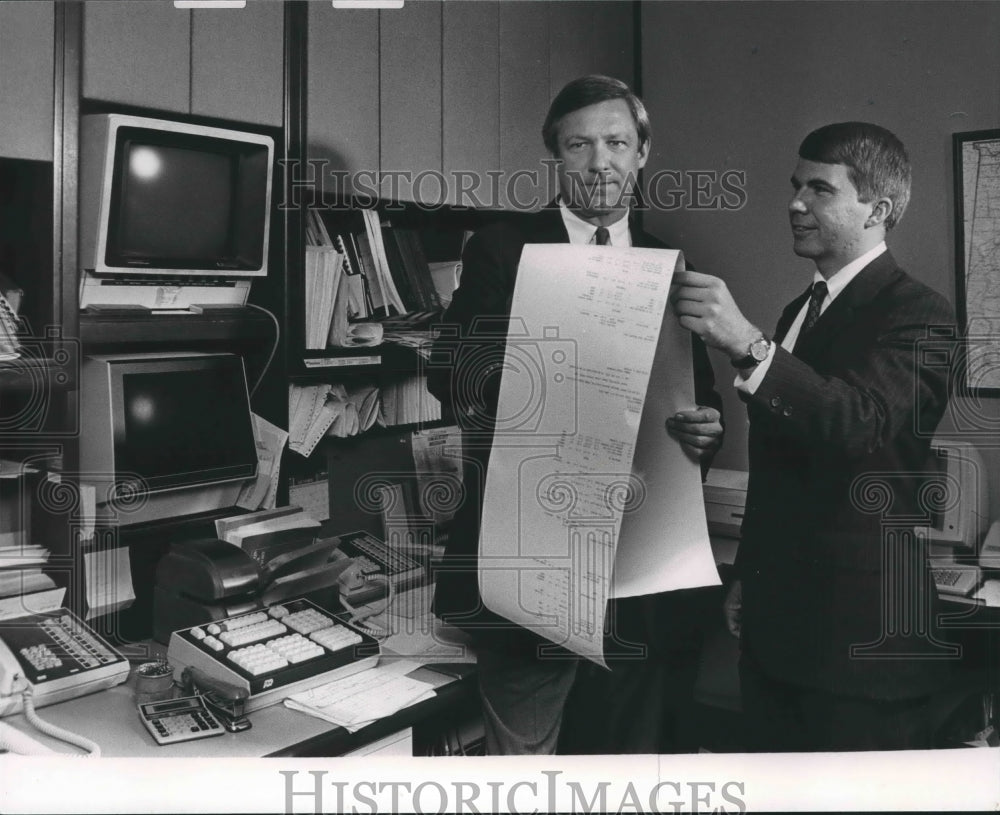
(876, 160)
(591, 90)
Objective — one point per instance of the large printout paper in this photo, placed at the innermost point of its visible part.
(582, 473)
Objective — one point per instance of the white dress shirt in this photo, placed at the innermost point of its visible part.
(835, 284)
(581, 232)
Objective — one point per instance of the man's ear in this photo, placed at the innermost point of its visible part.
(644, 152)
(880, 212)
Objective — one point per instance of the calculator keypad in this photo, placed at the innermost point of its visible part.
(179, 720)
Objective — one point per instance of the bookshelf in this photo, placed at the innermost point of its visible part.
(428, 87)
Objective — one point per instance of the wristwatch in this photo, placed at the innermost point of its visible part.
(757, 352)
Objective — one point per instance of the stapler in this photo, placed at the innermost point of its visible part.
(227, 702)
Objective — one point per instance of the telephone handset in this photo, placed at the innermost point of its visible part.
(12, 685)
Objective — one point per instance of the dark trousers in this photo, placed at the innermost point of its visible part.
(784, 718)
(639, 706)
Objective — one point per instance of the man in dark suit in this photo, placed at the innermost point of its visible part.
(599, 132)
(833, 604)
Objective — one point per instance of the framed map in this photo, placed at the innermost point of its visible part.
(977, 259)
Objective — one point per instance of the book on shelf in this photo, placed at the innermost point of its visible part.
(416, 269)
(323, 273)
(36, 602)
(359, 299)
(24, 581)
(224, 525)
(277, 534)
(375, 241)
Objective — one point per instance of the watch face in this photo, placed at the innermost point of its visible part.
(759, 349)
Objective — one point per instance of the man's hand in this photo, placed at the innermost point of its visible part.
(699, 431)
(732, 608)
(704, 305)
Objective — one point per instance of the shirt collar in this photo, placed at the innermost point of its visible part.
(838, 281)
(582, 232)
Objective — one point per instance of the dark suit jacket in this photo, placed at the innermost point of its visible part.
(835, 462)
(464, 374)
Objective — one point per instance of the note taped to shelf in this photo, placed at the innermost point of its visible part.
(583, 475)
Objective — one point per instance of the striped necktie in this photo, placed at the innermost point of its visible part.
(815, 304)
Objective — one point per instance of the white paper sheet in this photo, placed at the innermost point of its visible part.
(108, 571)
(573, 413)
(262, 492)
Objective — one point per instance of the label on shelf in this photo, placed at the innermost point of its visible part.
(340, 362)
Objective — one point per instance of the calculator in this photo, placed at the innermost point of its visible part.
(176, 720)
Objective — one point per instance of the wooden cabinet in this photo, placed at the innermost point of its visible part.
(236, 63)
(26, 64)
(470, 126)
(137, 52)
(342, 95)
(225, 63)
(410, 101)
(452, 90)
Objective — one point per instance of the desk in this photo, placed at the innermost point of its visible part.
(110, 718)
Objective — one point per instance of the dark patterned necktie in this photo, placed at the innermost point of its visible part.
(602, 237)
(815, 304)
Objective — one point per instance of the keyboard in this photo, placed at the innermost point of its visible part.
(956, 579)
(377, 556)
(274, 652)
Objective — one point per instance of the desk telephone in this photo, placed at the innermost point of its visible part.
(48, 658)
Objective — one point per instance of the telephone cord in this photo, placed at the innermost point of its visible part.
(92, 748)
(359, 618)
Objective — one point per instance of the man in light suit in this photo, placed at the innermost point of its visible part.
(833, 657)
(599, 132)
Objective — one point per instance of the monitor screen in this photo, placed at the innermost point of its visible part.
(167, 191)
(184, 426)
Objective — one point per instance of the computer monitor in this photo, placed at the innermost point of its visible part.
(164, 198)
(166, 435)
(957, 498)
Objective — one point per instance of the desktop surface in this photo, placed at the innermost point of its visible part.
(441, 652)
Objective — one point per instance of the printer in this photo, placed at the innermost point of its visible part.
(199, 581)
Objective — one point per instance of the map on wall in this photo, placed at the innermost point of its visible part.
(978, 155)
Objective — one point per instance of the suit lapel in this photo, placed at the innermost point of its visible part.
(788, 315)
(547, 226)
(841, 313)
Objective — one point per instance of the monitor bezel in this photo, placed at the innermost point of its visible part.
(101, 168)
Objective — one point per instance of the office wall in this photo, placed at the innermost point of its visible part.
(737, 85)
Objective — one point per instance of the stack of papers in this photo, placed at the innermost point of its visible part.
(406, 400)
(365, 697)
(17, 556)
(318, 410)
